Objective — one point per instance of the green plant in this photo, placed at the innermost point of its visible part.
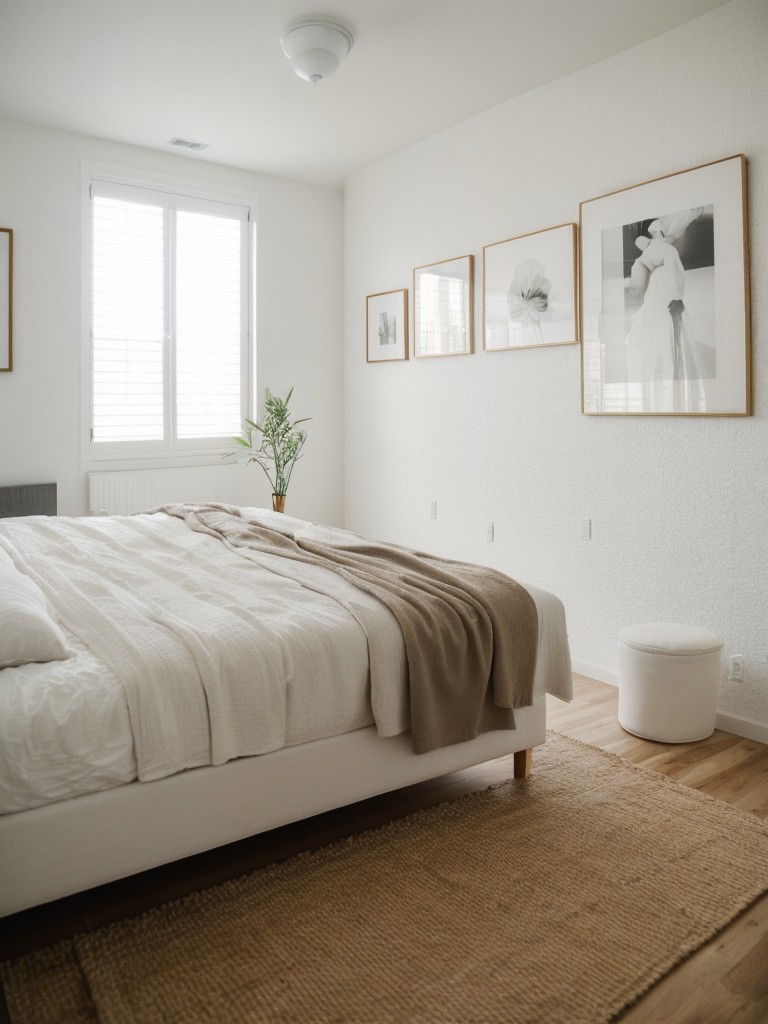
(275, 443)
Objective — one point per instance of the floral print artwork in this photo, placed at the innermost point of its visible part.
(528, 299)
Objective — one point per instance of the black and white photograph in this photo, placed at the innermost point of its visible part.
(529, 290)
(444, 308)
(386, 316)
(387, 328)
(668, 270)
(665, 316)
(6, 299)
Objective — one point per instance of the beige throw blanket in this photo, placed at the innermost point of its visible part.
(470, 632)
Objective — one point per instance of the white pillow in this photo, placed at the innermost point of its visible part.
(27, 632)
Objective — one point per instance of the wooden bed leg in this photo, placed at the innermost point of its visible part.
(523, 763)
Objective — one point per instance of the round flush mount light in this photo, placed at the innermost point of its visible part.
(316, 48)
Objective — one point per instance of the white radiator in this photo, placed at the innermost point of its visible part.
(133, 490)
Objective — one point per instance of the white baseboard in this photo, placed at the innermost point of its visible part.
(603, 675)
(748, 728)
(735, 724)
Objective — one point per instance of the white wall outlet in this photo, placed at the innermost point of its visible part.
(736, 667)
(586, 529)
(433, 510)
(489, 533)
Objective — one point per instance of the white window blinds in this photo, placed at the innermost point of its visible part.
(169, 319)
(128, 321)
(208, 325)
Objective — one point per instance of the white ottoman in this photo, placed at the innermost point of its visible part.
(669, 677)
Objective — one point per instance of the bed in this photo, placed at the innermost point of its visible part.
(198, 674)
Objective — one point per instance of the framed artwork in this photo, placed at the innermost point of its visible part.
(6, 299)
(665, 296)
(529, 290)
(386, 326)
(443, 316)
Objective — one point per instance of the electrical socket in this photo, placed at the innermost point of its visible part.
(736, 667)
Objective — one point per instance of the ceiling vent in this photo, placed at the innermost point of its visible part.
(188, 144)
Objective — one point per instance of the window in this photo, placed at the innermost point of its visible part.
(169, 310)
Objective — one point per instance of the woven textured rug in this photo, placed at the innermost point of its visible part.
(560, 899)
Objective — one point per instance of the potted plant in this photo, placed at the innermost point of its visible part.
(275, 444)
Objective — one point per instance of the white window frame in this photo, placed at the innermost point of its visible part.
(169, 452)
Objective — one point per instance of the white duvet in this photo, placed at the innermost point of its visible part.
(190, 654)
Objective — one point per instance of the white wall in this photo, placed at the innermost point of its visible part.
(298, 310)
(679, 506)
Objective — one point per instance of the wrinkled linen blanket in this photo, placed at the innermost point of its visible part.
(220, 652)
(470, 632)
(214, 657)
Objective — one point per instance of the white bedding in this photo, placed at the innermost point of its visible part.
(154, 597)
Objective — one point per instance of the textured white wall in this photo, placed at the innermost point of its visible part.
(679, 506)
(298, 310)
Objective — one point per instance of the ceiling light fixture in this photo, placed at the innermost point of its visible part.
(316, 48)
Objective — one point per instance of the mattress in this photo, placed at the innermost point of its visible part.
(65, 728)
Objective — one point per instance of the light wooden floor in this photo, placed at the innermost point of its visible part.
(726, 982)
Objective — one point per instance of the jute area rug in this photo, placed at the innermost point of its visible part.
(560, 899)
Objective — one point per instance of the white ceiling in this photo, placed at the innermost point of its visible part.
(142, 71)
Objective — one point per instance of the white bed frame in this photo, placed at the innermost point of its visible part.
(62, 848)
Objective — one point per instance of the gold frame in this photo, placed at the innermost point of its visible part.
(575, 286)
(7, 315)
(404, 315)
(470, 326)
(731, 295)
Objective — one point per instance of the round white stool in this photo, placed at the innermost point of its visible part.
(669, 677)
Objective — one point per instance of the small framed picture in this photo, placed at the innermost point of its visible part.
(386, 319)
(529, 290)
(6, 299)
(665, 296)
(443, 315)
